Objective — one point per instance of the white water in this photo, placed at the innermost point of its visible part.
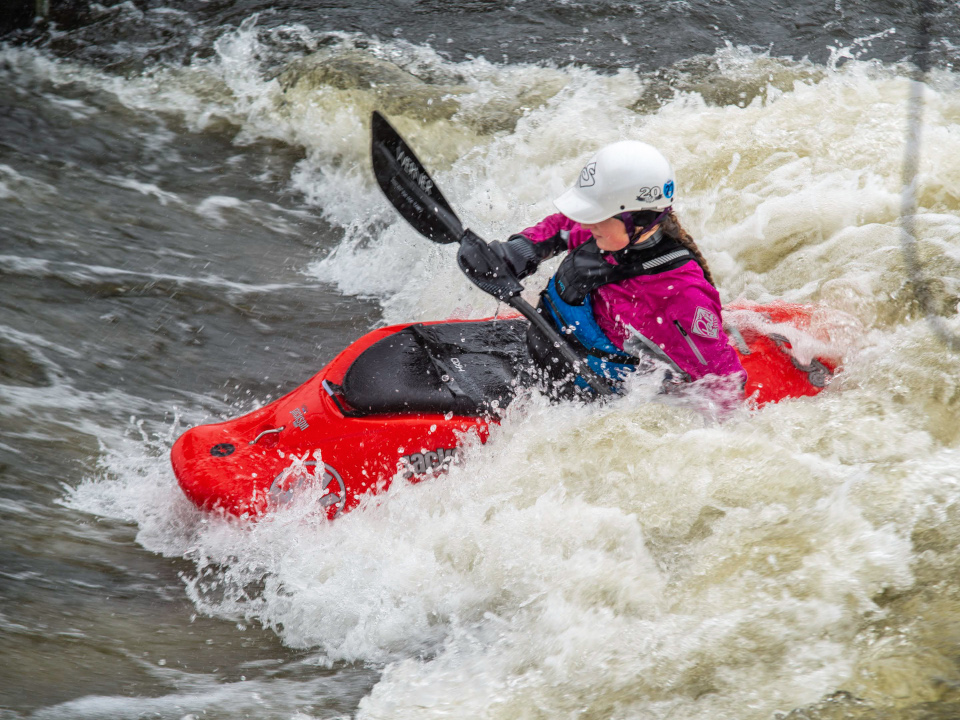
(632, 560)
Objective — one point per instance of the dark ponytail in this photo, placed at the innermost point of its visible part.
(674, 230)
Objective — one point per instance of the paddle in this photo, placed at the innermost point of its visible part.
(411, 190)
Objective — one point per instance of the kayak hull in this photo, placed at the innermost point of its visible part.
(312, 436)
(239, 466)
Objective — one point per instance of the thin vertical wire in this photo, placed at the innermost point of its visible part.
(911, 166)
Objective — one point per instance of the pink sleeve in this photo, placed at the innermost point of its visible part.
(548, 228)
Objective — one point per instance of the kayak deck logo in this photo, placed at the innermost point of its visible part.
(299, 417)
(287, 483)
(423, 462)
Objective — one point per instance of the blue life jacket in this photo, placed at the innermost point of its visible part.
(578, 321)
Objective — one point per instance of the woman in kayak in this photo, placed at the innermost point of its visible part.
(633, 283)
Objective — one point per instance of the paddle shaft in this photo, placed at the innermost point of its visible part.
(415, 195)
(577, 364)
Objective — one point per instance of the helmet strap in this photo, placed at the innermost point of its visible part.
(630, 225)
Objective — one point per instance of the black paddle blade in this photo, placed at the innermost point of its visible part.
(408, 187)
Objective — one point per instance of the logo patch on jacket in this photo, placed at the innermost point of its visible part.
(706, 324)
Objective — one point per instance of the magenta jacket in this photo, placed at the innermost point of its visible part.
(677, 309)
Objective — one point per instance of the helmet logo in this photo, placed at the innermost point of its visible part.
(649, 194)
(588, 176)
(668, 189)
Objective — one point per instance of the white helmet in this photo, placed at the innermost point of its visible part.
(622, 177)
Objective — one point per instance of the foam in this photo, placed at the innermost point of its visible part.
(638, 559)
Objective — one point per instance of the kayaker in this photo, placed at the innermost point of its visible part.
(633, 283)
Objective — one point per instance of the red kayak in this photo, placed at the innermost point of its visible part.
(399, 401)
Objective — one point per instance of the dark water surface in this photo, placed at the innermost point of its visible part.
(602, 34)
(159, 238)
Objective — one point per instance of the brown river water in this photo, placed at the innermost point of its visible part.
(189, 228)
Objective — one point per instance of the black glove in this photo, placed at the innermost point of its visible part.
(516, 256)
(487, 268)
(519, 254)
